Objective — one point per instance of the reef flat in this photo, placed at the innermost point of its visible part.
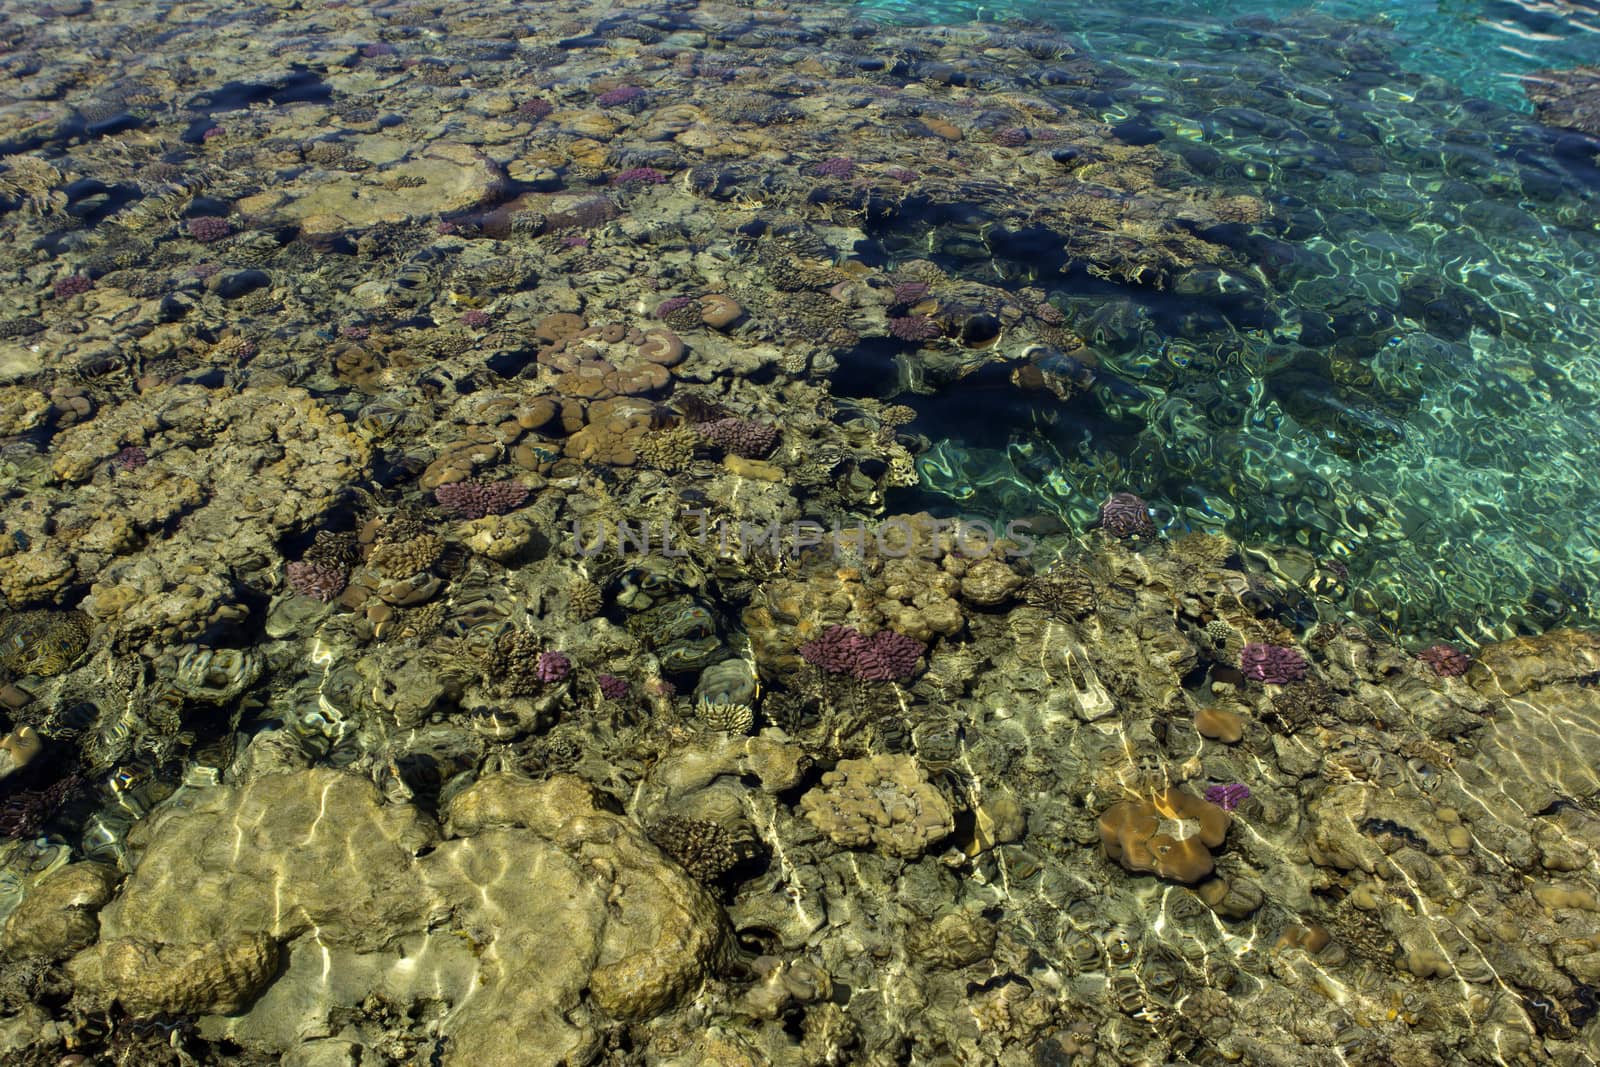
(695, 533)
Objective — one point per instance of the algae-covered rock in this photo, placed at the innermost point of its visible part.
(1523, 663)
(441, 179)
(1569, 98)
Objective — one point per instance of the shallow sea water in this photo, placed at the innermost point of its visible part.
(1403, 378)
(390, 393)
(1481, 46)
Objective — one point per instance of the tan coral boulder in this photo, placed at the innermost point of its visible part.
(1170, 834)
(219, 977)
(284, 855)
(58, 915)
(884, 802)
(288, 898)
(659, 932)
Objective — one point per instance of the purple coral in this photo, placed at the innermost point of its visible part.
(622, 94)
(1446, 661)
(671, 304)
(639, 176)
(474, 500)
(612, 687)
(1275, 664)
(1124, 515)
(24, 812)
(553, 667)
(535, 108)
(834, 650)
(1228, 797)
(909, 292)
(319, 581)
(130, 459)
(208, 228)
(72, 285)
(837, 167)
(742, 437)
(886, 656)
(476, 319)
(1011, 137)
(914, 328)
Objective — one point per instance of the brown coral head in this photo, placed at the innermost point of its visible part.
(1170, 834)
(559, 327)
(719, 310)
(662, 346)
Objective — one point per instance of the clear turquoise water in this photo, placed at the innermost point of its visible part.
(1409, 383)
(1480, 45)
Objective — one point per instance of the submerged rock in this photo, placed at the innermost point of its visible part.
(440, 178)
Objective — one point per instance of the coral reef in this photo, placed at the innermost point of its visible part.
(915, 328)
(886, 656)
(1447, 662)
(319, 581)
(208, 228)
(552, 667)
(742, 437)
(702, 848)
(43, 642)
(474, 500)
(1126, 515)
(1227, 797)
(463, 603)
